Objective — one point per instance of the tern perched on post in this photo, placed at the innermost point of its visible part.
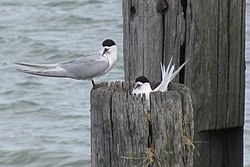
(82, 68)
(143, 86)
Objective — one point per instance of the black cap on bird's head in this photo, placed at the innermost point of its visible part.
(108, 42)
(142, 79)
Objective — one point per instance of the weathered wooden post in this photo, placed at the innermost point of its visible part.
(124, 133)
(211, 35)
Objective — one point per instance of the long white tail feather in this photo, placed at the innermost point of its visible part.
(165, 80)
(178, 70)
(169, 64)
(162, 71)
(168, 79)
(38, 65)
(168, 75)
(55, 72)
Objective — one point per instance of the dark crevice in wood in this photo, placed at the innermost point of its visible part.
(182, 60)
(132, 11)
(184, 6)
(162, 7)
(228, 58)
(130, 132)
(112, 132)
(150, 135)
(218, 60)
(129, 57)
(183, 46)
(163, 36)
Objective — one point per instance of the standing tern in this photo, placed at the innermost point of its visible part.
(143, 86)
(82, 68)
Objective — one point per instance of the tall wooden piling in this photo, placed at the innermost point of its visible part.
(124, 133)
(211, 35)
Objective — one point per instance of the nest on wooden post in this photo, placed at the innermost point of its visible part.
(125, 133)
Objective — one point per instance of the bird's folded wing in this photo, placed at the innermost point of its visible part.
(87, 67)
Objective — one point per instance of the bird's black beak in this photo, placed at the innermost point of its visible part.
(105, 50)
(137, 85)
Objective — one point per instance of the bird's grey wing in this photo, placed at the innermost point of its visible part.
(86, 67)
(79, 59)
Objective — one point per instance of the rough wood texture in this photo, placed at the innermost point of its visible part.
(153, 32)
(167, 128)
(215, 72)
(211, 34)
(187, 121)
(140, 20)
(123, 133)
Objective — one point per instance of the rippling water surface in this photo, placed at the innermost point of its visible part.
(46, 121)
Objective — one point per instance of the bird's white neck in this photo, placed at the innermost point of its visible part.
(145, 88)
(111, 56)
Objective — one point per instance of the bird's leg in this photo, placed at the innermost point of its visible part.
(95, 86)
(93, 83)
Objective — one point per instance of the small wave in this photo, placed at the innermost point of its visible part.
(4, 27)
(28, 83)
(74, 19)
(24, 39)
(4, 3)
(41, 157)
(26, 103)
(94, 1)
(8, 92)
(18, 105)
(74, 162)
(65, 4)
(16, 157)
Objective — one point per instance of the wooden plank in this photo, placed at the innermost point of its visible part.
(201, 74)
(142, 39)
(124, 134)
(187, 122)
(209, 34)
(167, 128)
(100, 127)
(242, 66)
(174, 33)
(235, 56)
(223, 53)
(214, 43)
(130, 130)
(214, 72)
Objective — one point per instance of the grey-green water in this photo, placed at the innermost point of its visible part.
(44, 122)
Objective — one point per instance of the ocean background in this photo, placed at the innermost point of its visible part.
(45, 122)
